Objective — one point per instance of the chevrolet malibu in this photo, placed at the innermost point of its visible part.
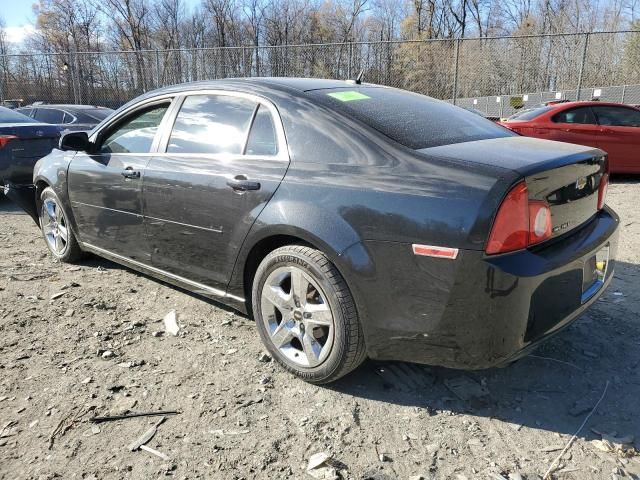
(350, 220)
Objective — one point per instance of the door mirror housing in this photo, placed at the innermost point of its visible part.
(75, 141)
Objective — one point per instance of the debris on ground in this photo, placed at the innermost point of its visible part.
(139, 443)
(323, 467)
(110, 418)
(171, 323)
(620, 446)
(264, 357)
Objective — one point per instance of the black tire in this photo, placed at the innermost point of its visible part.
(71, 251)
(348, 349)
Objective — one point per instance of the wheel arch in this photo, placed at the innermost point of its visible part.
(259, 246)
(257, 249)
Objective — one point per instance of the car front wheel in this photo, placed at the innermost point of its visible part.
(55, 228)
(306, 315)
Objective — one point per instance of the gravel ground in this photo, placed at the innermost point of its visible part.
(244, 417)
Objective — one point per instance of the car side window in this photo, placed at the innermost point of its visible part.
(581, 115)
(136, 133)
(49, 115)
(211, 124)
(617, 116)
(26, 111)
(262, 136)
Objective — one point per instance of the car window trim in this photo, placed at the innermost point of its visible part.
(283, 152)
(243, 150)
(98, 135)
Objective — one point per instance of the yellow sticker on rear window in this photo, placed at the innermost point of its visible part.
(348, 96)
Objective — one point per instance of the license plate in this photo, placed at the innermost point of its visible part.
(594, 273)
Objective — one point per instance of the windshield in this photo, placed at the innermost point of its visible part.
(9, 116)
(413, 120)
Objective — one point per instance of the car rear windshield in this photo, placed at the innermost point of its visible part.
(413, 120)
(98, 114)
(530, 113)
(9, 116)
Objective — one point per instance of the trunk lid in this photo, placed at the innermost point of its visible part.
(35, 140)
(564, 175)
(19, 155)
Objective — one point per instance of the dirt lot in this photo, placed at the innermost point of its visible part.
(246, 418)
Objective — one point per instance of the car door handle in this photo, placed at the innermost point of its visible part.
(240, 183)
(129, 172)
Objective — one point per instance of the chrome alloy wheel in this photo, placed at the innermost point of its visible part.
(297, 316)
(54, 226)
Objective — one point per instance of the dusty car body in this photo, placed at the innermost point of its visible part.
(455, 241)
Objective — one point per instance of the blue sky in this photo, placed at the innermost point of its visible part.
(17, 13)
(19, 19)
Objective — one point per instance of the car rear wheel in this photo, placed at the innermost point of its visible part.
(55, 228)
(306, 315)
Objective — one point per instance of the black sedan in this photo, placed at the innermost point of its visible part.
(69, 117)
(350, 220)
(23, 141)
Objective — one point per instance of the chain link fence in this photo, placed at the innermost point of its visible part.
(469, 72)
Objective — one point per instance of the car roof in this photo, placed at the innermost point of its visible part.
(68, 106)
(264, 84)
(587, 103)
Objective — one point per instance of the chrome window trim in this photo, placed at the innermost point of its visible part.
(177, 98)
(143, 104)
(174, 110)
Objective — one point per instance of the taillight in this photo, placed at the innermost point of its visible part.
(520, 222)
(602, 190)
(539, 222)
(4, 139)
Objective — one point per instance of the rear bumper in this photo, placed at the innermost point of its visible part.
(479, 311)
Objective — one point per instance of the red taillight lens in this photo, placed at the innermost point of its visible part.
(511, 227)
(520, 222)
(602, 190)
(4, 139)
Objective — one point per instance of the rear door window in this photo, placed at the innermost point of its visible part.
(49, 115)
(211, 124)
(262, 136)
(413, 120)
(617, 116)
(581, 115)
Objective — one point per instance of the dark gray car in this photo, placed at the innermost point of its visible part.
(350, 220)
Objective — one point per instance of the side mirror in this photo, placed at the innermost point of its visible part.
(76, 141)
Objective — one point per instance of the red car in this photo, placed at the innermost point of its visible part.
(612, 127)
